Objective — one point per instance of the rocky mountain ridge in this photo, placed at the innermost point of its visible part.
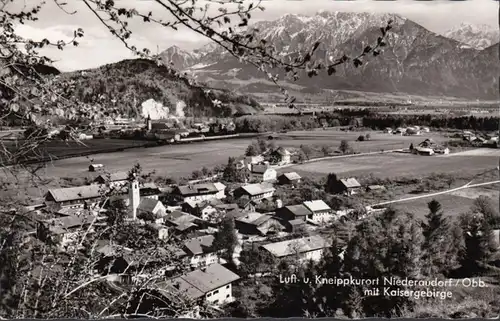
(415, 60)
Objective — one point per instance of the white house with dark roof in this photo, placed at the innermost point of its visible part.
(197, 192)
(255, 192)
(86, 196)
(294, 212)
(69, 229)
(199, 251)
(320, 211)
(262, 173)
(304, 249)
(212, 284)
(151, 206)
(290, 178)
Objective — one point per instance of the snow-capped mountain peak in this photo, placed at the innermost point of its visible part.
(478, 36)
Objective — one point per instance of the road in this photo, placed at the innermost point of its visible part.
(468, 185)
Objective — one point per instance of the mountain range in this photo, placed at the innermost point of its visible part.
(462, 63)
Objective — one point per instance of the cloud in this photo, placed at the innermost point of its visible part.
(99, 47)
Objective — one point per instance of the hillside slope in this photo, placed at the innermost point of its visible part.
(123, 86)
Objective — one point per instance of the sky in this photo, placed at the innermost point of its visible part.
(99, 47)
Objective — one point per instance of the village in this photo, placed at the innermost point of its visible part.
(191, 215)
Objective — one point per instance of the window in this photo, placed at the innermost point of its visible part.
(227, 296)
(209, 295)
(216, 291)
(216, 301)
(227, 286)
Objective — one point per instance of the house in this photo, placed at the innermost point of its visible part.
(221, 190)
(255, 192)
(400, 131)
(257, 224)
(211, 284)
(152, 207)
(204, 209)
(115, 259)
(295, 226)
(262, 173)
(301, 249)
(183, 222)
(321, 212)
(197, 192)
(199, 251)
(86, 196)
(160, 229)
(68, 230)
(294, 212)
(291, 178)
(388, 130)
(412, 131)
(425, 129)
(95, 167)
(280, 156)
(114, 179)
(349, 186)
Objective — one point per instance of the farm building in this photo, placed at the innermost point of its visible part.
(348, 186)
(197, 192)
(262, 173)
(151, 206)
(294, 212)
(114, 179)
(321, 212)
(210, 284)
(255, 192)
(388, 130)
(258, 224)
(280, 156)
(202, 209)
(86, 196)
(184, 222)
(431, 144)
(423, 151)
(306, 248)
(96, 167)
(291, 178)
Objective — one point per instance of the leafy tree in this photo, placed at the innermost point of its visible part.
(256, 260)
(205, 171)
(478, 246)
(306, 150)
(116, 213)
(252, 150)
(344, 146)
(411, 146)
(196, 174)
(368, 136)
(226, 239)
(361, 138)
(262, 145)
(487, 208)
(326, 150)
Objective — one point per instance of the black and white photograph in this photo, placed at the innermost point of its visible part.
(208, 159)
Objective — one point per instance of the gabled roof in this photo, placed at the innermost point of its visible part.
(350, 182)
(113, 177)
(197, 189)
(181, 220)
(148, 204)
(298, 210)
(62, 225)
(317, 205)
(256, 189)
(197, 283)
(219, 186)
(301, 245)
(77, 193)
(199, 245)
(260, 168)
(254, 218)
(292, 176)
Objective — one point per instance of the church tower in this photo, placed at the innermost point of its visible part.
(149, 125)
(134, 197)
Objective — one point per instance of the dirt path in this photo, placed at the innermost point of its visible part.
(468, 185)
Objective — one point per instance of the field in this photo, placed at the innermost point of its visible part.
(453, 204)
(399, 164)
(65, 149)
